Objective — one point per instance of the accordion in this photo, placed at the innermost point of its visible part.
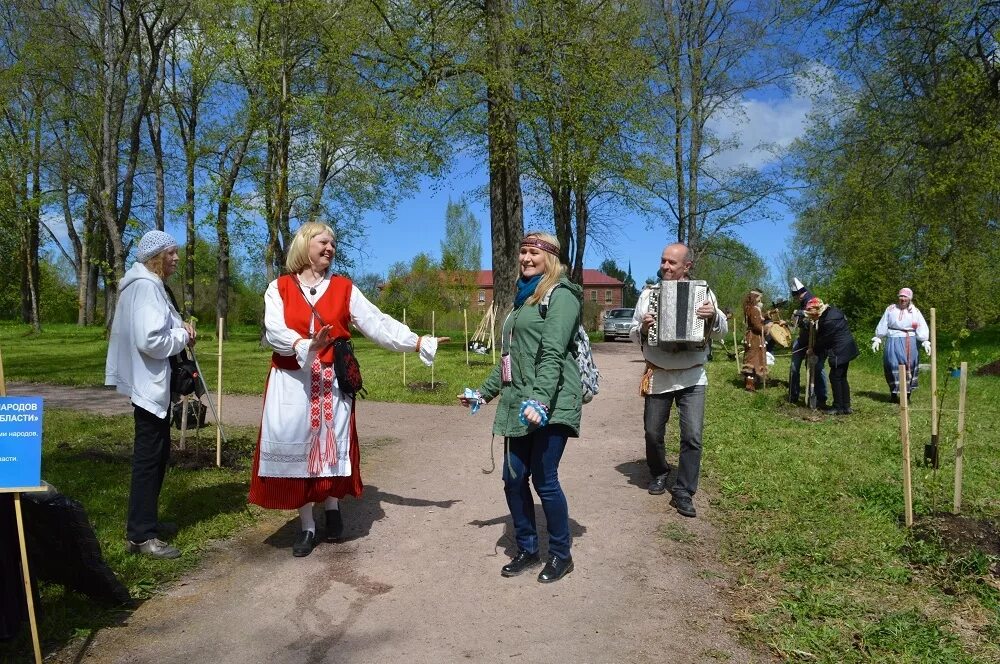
(676, 326)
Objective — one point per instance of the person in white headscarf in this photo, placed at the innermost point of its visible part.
(902, 326)
(147, 330)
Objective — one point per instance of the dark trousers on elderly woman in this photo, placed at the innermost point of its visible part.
(841, 390)
(149, 464)
(535, 458)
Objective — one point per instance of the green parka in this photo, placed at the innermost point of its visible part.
(542, 363)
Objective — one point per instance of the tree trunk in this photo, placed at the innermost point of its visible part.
(506, 203)
(582, 220)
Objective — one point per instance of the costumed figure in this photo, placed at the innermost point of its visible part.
(307, 451)
(834, 341)
(754, 358)
(800, 296)
(541, 397)
(902, 326)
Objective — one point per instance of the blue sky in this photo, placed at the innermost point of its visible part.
(418, 226)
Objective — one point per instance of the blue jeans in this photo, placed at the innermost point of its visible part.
(798, 355)
(536, 456)
(656, 412)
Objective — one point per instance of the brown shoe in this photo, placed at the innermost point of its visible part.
(751, 384)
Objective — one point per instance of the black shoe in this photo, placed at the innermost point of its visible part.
(555, 569)
(522, 561)
(658, 485)
(843, 411)
(895, 397)
(304, 544)
(683, 504)
(334, 526)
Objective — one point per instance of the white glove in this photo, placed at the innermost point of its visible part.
(927, 347)
(876, 344)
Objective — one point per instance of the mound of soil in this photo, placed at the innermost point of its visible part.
(991, 369)
(961, 534)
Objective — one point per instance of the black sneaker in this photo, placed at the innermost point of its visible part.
(555, 569)
(522, 561)
(304, 544)
(683, 504)
(658, 485)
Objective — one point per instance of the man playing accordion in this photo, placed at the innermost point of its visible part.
(675, 374)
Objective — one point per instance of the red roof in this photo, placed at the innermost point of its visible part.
(591, 278)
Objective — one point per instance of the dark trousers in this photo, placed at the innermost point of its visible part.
(149, 463)
(691, 406)
(798, 355)
(536, 457)
(838, 385)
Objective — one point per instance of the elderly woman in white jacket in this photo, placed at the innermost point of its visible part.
(147, 330)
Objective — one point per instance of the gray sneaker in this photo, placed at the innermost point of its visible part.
(153, 548)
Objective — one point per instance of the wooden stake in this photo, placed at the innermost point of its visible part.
(218, 401)
(465, 318)
(904, 424)
(432, 364)
(960, 444)
(25, 575)
(934, 392)
(404, 354)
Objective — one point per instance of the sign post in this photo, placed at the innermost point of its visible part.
(21, 471)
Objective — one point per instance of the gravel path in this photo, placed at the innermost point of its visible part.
(418, 578)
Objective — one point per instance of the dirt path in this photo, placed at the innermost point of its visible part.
(418, 578)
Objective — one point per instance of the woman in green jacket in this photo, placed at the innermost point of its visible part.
(540, 400)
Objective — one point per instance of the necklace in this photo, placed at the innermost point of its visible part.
(312, 289)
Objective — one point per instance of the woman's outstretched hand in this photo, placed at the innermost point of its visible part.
(322, 339)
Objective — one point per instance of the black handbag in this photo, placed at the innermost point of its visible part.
(184, 376)
(345, 365)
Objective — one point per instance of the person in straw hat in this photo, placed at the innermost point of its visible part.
(902, 326)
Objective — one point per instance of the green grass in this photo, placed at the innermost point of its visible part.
(812, 515)
(87, 457)
(810, 511)
(29, 357)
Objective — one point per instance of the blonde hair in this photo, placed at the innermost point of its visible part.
(554, 270)
(297, 258)
(157, 264)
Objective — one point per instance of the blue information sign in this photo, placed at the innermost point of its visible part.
(20, 442)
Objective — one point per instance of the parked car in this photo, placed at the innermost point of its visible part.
(617, 323)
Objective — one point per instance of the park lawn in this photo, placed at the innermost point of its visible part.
(812, 514)
(87, 457)
(69, 355)
(809, 507)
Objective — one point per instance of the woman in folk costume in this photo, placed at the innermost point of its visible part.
(307, 451)
(834, 341)
(754, 341)
(903, 325)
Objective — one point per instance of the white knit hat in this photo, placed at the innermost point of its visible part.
(153, 243)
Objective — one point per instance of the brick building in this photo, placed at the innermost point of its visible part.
(599, 290)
